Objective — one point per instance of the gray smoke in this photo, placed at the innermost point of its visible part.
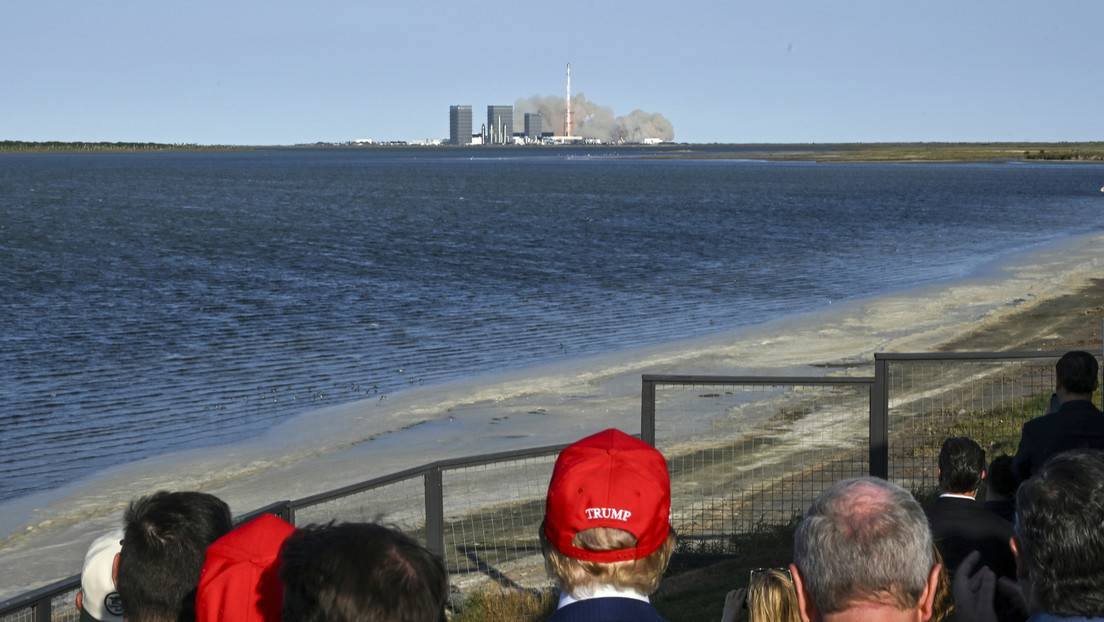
(590, 120)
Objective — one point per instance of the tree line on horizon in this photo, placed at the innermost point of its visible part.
(17, 146)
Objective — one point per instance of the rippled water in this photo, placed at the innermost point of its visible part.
(153, 302)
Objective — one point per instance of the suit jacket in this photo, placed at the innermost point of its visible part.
(1005, 509)
(613, 609)
(960, 526)
(1076, 424)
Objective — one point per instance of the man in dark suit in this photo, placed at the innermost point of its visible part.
(1077, 424)
(959, 524)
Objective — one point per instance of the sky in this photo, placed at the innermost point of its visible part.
(270, 72)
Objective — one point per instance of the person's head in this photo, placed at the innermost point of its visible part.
(239, 581)
(98, 599)
(165, 538)
(360, 572)
(864, 542)
(1059, 542)
(1000, 479)
(1076, 372)
(961, 465)
(607, 515)
(771, 597)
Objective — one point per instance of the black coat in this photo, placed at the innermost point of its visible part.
(960, 526)
(1076, 424)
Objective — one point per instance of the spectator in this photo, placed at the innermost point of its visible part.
(769, 597)
(1077, 423)
(1059, 546)
(864, 551)
(360, 572)
(1000, 488)
(959, 524)
(164, 542)
(943, 605)
(98, 600)
(606, 535)
(239, 582)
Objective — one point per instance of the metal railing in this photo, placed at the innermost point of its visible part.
(743, 452)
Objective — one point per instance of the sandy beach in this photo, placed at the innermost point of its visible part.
(1046, 299)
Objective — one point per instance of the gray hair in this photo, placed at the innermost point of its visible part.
(1059, 512)
(864, 539)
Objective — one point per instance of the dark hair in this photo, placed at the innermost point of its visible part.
(165, 540)
(1000, 477)
(1077, 372)
(360, 572)
(961, 463)
(1059, 513)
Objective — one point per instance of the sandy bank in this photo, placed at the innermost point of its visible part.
(1046, 299)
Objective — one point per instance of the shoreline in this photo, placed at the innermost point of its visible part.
(896, 152)
(1043, 299)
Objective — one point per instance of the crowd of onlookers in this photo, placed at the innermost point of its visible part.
(866, 549)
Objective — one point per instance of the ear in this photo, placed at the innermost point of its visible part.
(983, 474)
(927, 597)
(805, 605)
(1021, 565)
(115, 571)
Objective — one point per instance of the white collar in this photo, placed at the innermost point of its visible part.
(601, 591)
(956, 495)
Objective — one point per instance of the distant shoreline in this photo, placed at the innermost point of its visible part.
(811, 152)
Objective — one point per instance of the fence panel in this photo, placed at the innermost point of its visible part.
(399, 503)
(492, 512)
(743, 452)
(748, 452)
(985, 396)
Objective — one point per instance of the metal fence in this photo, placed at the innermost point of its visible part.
(743, 453)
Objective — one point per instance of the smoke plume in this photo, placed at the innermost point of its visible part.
(589, 120)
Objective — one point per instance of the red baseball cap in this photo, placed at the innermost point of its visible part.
(609, 479)
(239, 581)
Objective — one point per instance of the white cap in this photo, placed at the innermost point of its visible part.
(100, 600)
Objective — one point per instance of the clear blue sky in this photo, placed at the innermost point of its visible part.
(271, 72)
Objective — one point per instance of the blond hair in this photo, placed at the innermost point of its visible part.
(580, 578)
(772, 598)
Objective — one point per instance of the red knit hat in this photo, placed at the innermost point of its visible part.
(609, 479)
(239, 582)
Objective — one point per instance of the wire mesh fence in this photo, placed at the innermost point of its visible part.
(743, 452)
(492, 514)
(987, 400)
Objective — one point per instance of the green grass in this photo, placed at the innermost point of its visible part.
(914, 152)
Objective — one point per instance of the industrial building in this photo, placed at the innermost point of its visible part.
(500, 125)
(499, 129)
(532, 126)
(460, 125)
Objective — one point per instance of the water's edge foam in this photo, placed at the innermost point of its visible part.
(44, 535)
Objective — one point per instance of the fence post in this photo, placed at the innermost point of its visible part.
(435, 511)
(879, 420)
(647, 411)
(43, 610)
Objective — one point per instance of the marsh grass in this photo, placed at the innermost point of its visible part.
(498, 604)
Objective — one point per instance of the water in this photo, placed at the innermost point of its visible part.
(157, 302)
